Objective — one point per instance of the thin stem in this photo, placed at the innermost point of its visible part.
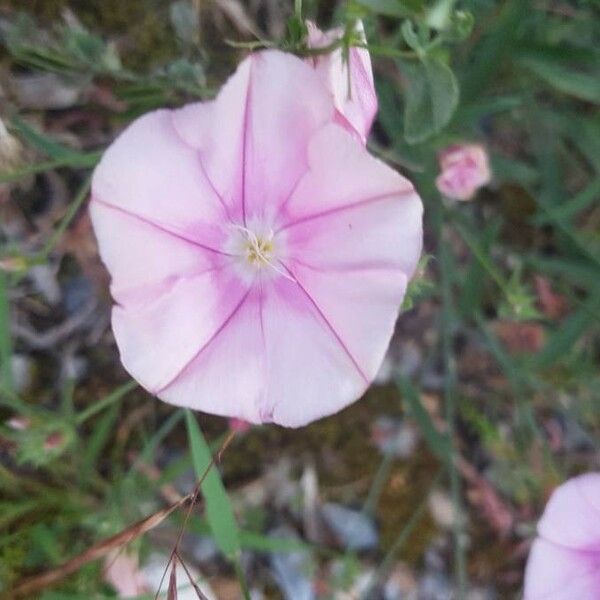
(66, 220)
(450, 380)
(241, 579)
(6, 378)
(193, 498)
(383, 569)
(382, 475)
(88, 160)
(103, 403)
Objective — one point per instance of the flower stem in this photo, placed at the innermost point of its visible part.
(448, 318)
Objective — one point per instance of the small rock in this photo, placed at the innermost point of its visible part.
(435, 586)
(22, 373)
(44, 280)
(442, 509)
(394, 436)
(353, 529)
(292, 570)
(45, 91)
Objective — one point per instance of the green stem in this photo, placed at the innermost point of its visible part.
(450, 381)
(239, 572)
(6, 378)
(382, 475)
(85, 161)
(103, 403)
(66, 220)
(383, 569)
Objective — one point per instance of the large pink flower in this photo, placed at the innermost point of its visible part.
(258, 253)
(349, 79)
(564, 562)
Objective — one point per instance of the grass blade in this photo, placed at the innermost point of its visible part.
(219, 511)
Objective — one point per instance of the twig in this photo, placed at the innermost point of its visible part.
(38, 582)
(191, 579)
(194, 496)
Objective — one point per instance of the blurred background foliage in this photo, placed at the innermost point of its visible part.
(489, 396)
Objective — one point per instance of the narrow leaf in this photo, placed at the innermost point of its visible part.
(219, 511)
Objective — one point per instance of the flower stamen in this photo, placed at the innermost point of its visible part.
(259, 250)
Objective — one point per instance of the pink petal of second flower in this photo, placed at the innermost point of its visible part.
(557, 573)
(572, 515)
(252, 139)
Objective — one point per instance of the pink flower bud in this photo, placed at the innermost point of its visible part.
(239, 425)
(464, 169)
(53, 441)
(349, 79)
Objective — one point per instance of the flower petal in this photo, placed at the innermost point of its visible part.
(351, 209)
(383, 234)
(309, 371)
(150, 173)
(557, 573)
(572, 515)
(143, 259)
(360, 306)
(354, 91)
(226, 376)
(252, 139)
(159, 338)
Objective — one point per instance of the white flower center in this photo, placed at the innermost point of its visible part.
(257, 249)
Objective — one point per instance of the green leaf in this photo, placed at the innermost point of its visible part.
(96, 441)
(47, 145)
(565, 79)
(219, 511)
(391, 8)
(431, 98)
(99, 405)
(561, 342)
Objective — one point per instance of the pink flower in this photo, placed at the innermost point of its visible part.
(564, 562)
(465, 169)
(353, 92)
(258, 253)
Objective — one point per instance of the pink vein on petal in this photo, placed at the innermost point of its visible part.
(338, 209)
(329, 325)
(226, 322)
(261, 303)
(158, 288)
(159, 227)
(345, 268)
(245, 138)
(202, 167)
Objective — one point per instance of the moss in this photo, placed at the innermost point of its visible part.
(346, 460)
